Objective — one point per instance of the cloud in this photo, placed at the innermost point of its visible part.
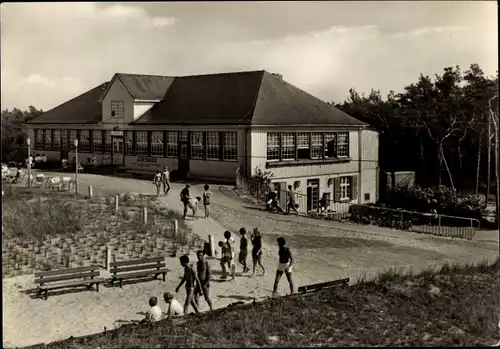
(428, 31)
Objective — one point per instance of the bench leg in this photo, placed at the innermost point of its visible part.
(46, 294)
(121, 283)
(164, 275)
(97, 286)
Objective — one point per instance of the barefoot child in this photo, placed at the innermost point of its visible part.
(243, 250)
(256, 240)
(191, 280)
(203, 269)
(284, 265)
(227, 255)
(174, 307)
(154, 314)
(206, 200)
(157, 182)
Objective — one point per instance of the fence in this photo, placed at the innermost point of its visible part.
(440, 225)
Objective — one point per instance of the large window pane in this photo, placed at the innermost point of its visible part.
(97, 142)
(330, 145)
(230, 150)
(213, 146)
(72, 138)
(172, 144)
(343, 144)
(141, 143)
(108, 145)
(288, 146)
(273, 146)
(57, 139)
(84, 143)
(316, 145)
(197, 146)
(157, 143)
(39, 139)
(303, 151)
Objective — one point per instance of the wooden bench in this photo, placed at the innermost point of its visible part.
(83, 276)
(138, 268)
(322, 285)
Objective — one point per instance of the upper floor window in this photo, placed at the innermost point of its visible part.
(117, 109)
(230, 146)
(273, 146)
(197, 145)
(303, 151)
(343, 144)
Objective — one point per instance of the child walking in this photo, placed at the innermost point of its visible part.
(284, 265)
(256, 240)
(204, 275)
(157, 180)
(206, 200)
(191, 280)
(243, 250)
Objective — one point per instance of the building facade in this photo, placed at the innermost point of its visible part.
(210, 126)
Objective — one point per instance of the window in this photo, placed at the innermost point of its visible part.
(129, 142)
(117, 110)
(316, 145)
(342, 144)
(330, 145)
(72, 138)
(213, 146)
(64, 139)
(108, 145)
(56, 135)
(197, 145)
(303, 146)
(345, 188)
(183, 136)
(48, 140)
(157, 143)
(172, 144)
(97, 142)
(38, 139)
(273, 146)
(141, 143)
(84, 143)
(230, 151)
(288, 151)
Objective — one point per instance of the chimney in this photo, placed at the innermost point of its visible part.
(279, 76)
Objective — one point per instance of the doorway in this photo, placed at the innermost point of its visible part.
(312, 194)
(184, 146)
(117, 150)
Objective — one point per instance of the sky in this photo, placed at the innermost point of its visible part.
(52, 52)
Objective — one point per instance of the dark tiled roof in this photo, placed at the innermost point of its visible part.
(246, 98)
(207, 99)
(84, 109)
(145, 87)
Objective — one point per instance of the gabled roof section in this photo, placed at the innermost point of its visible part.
(143, 87)
(84, 109)
(281, 103)
(227, 98)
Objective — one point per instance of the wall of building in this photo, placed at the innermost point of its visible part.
(117, 92)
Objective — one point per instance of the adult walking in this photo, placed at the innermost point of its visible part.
(256, 240)
(227, 256)
(165, 177)
(291, 203)
(157, 182)
(284, 265)
(185, 199)
(190, 278)
(204, 275)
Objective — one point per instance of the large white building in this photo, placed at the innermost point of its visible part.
(209, 126)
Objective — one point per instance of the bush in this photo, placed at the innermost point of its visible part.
(447, 201)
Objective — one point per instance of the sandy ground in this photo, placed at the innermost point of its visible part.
(323, 251)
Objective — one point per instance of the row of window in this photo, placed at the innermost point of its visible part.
(315, 145)
(195, 145)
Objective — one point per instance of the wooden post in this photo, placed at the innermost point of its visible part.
(176, 226)
(145, 215)
(108, 258)
(117, 203)
(212, 245)
(90, 191)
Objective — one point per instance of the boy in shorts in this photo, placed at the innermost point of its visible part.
(191, 280)
(204, 275)
(284, 265)
(243, 250)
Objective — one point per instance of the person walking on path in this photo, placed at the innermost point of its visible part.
(185, 199)
(204, 275)
(206, 200)
(243, 250)
(165, 177)
(284, 265)
(191, 280)
(291, 203)
(256, 240)
(227, 256)
(157, 182)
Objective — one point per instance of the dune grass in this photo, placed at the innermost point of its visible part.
(454, 306)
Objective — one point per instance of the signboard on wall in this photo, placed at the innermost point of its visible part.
(117, 133)
(148, 163)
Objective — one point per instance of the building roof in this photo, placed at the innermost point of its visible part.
(84, 109)
(145, 87)
(244, 98)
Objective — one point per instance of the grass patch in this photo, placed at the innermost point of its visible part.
(44, 230)
(454, 306)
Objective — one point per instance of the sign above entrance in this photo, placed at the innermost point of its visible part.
(116, 133)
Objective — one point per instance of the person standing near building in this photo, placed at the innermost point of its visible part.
(185, 199)
(291, 203)
(165, 177)
(206, 200)
(157, 182)
(284, 265)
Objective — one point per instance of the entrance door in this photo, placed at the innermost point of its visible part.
(183, 167)
(312, 194)
(117, 150)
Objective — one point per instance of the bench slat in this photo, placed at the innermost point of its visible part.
(70, 283)
(67, 277)
(116, 270)
(66, 271)
(137, 261)
(141, 273)
(321, 285)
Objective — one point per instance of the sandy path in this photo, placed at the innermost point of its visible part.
(322, 252)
